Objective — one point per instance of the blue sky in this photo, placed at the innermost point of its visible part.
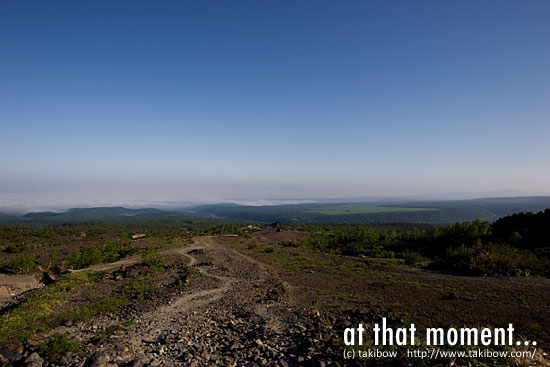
(174, 100)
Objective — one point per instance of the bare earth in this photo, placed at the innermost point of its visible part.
(14, 285)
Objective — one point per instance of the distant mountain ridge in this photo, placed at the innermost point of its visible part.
(92, 214)
(432, 212)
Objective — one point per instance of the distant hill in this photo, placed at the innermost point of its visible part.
(432, 212)
(8, 219)
(93, 215)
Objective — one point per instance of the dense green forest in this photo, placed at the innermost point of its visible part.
(513, 245)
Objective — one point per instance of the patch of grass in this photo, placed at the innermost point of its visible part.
(31, 315)
(288, 243)
(24, 264)
(127, 323)
(56, 347)
(89, 310)
(293, 266)
(135, 289)
(100, 335)
(38, 312)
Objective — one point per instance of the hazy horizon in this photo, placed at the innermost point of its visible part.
(19, 205)
(129, 103)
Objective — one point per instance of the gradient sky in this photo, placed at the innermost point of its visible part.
(113, 101)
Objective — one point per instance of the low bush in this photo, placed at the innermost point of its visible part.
(494, 259)
(24, 264)
(107, 251)
(288, 243)
(412, 258)
(153, 259)
(56, 347)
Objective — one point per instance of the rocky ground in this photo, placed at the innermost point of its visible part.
(254, 301)
(235, 312)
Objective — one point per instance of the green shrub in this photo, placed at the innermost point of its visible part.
(269, 250)
(412, 258)
(53, 258)
(494, 259)
(135, 290)
(153, 259)
(288, 243)
(108, 251)
(56, 347)
(84, 257)
(23, 264)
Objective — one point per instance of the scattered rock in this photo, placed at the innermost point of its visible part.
(99, 359)
(33, 360)
(8, 355)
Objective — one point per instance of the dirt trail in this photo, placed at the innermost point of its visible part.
(14, 285)
(203, 297)
(237, 310)
(132, 260)
(234, 312)
(227, 278)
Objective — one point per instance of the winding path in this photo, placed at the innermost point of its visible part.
(237, 301)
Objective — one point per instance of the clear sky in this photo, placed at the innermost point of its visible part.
(113, 101)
